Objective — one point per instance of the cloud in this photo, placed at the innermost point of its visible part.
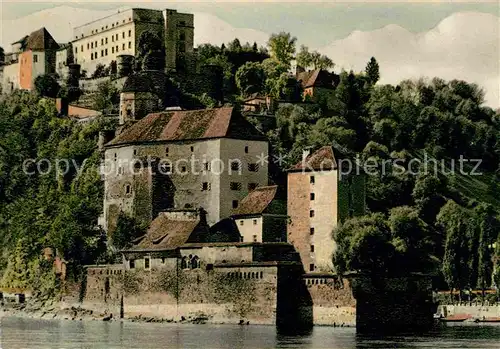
(462, 46)
(59, 21)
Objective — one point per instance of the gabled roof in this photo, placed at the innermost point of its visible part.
(169, 231)
(146, 81)
(257, 201)
(41, 40)
(318, 78)
(189, 125)
(321, 160)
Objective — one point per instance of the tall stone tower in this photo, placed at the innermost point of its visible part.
(319, 197)
(179, 40)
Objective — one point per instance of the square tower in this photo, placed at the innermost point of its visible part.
(320, 196)
(179, 39)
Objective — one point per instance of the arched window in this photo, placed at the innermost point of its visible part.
(184, 263)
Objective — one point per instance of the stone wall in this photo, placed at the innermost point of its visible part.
(92, 85)
(188, 161)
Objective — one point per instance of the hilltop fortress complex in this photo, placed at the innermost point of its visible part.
(222, 240)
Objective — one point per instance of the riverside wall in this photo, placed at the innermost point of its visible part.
(272, 293)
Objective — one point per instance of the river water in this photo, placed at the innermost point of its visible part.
(21, 333)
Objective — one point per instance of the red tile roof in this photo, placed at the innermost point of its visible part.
(189, 125)
(169, 232)
(256, 201)
(321, 160)
(317, 78)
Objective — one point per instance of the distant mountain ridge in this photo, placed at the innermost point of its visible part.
(465, 45)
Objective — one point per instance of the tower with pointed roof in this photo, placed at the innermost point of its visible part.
(320, 195)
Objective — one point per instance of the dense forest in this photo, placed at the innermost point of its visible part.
(445, 222)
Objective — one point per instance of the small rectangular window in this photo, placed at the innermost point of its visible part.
(116, 37)
(116, 49)
(235, 203)
(254, 222)
(311, 231)
(129, 33)
(246, 149)
(205, 186)
(102, 41)
(311, 179)
(192, 149)
(112, 38)
(92, 45)
(311, 213)
(146, 263)
(129, 44)
(311, 267)
(312, 248)
(76, 49)
(106, 40)
(35, 58)
(166, 151)
(183, 169)
(123, 47)
(253, 167)
(235, 186)
(311, 196)
(106, 51)
(255, 238)
(242, 222)
(88, 46)
(131, 264)
(206, 166)
(112, 50)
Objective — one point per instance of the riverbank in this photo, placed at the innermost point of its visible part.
(53, 310)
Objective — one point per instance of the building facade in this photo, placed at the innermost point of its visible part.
(319, 197)
(204, 159)
(31, 56)
(101, 41)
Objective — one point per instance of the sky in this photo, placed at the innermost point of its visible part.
(410, 39)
